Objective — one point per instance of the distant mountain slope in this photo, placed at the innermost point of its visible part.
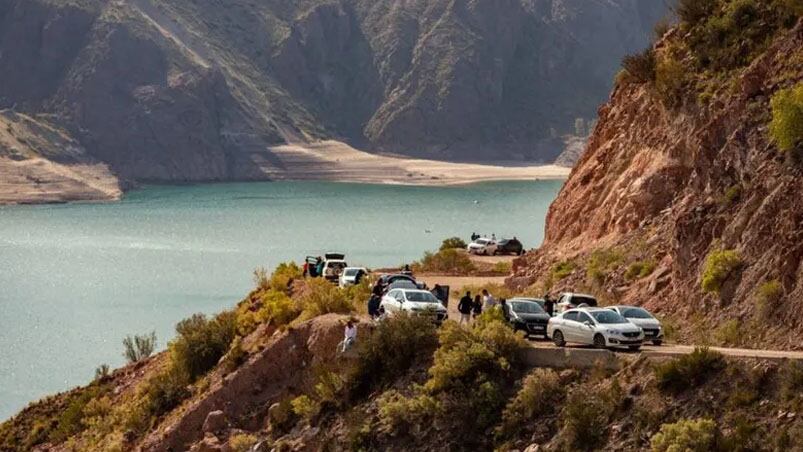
(685, 200)
(183, 90)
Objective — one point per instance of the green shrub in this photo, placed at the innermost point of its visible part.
(786, 127)
(692, 12)
(732, 195)
(686, 435)
(791, 379)
(562, 270)
(585, 418)
(689, 371)
(139, 347)
(729, 333)
(397, 412)
(242, 442)
(321, 297)
(640, 67)
(284, 275)
(451, 261)
(537, 397)
(769, 296)
(601, 263)
(70, 421)
(503, 268)
(670, 78)
(393, 347)
(102, 372)
(453, 243)
(261, 280)
(201, 342)
(160, 394)
(719, 265)
(639, 270)
(305, 407)
(236, 356)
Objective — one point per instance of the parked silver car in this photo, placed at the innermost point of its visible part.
(643, 319)
(599, 327)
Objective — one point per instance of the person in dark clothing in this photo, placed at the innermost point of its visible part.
(549, 305)
(373, 306)
(378, 289)
(476, 306)
(474, 236)
(505, 308)
(464, 306)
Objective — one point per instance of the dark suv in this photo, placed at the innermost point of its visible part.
(509, 246)
(528, 316)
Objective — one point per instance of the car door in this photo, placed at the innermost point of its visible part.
(569, 326)
(400, 300)
(585, 329)
(389, 301)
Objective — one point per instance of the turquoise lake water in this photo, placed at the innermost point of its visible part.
(76, 278)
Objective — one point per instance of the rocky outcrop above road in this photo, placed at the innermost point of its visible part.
(669, 183)
(199, 91)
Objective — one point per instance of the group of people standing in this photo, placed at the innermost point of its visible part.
(470, 308)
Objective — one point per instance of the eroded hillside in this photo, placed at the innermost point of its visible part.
(687, 200)
(199, 91)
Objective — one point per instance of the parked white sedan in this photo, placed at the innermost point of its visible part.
(351, 276)
(643, 319)
(483, 246)
(599, 327)
(414, 302)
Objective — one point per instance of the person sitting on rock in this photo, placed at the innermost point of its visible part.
(351, 335)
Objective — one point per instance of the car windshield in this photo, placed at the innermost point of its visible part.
(351, 271)
(481, 242)
(580, 300)
(636, 313)
(421, 297)
(526, 307)
(607, 316)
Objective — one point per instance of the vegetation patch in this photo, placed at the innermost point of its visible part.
(786, 127)
(453, 243)
(450, 261)
(719, 265)
(691, 435)
(586, 414)
(639, 270)
(601, 263)
(138, 347)
(539, 394)
(689, 371)
(640, 67)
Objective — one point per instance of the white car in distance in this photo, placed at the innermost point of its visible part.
(351, 276)
(643, 319)
(414, 302)
(600, 327)
(483, 246)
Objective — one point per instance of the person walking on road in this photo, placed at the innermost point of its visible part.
(476, 307)
(464, 306)
(549, 305)
(488, 301)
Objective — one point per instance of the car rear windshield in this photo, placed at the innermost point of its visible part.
(421, 297)
(351, 271)
(481, 242)
(526, 307)
(607, 317)
(636, 313)
(580, 300)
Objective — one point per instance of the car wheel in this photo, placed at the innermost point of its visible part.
(599, 341)
(657, 342)
(634, 348)
(557, 338)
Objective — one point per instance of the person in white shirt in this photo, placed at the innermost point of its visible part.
(351, 335)
(488, 301)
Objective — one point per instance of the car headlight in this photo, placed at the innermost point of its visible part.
(614, 332)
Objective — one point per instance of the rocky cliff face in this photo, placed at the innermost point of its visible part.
(683, 202)
(192, 91)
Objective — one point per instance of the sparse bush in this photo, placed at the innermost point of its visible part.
(201, 342)
(729, 333)
(453, 243)
(102, 372)
(584, 418)
(719, 265)
(562, 270)
(732, 195)
(686, 435)
(236, 356)
(283, 276)
(601, 263)
(639, 270)
(791, 379)
(397, 412)
(503, 268)
(390, 350)
(242, 442)
(692, 12)
(261, 280)
(139, 347)
(322, 297)
(451, 261)
(158, 395)
(70, 421)
(640, 67)
(305, 407)
(670, 78)
(689, 371)
(769, 295)
(786, 127)
(538, 395)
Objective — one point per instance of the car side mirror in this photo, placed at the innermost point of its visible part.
(587, 323)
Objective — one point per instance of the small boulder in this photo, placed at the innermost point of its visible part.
(215, 422)
(533, 448)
